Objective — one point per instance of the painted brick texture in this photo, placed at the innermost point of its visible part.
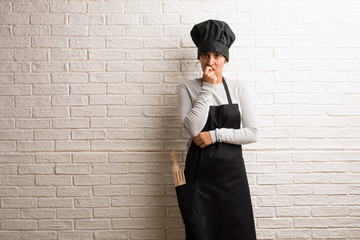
(88, 115)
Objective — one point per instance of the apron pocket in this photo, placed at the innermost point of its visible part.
(186, 195)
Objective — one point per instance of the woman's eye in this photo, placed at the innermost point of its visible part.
(217, 55)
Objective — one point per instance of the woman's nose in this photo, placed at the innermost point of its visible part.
(211, 60)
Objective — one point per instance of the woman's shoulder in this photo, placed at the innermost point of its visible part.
(236, 84)
(191, 84)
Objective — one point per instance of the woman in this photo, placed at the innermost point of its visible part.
(215, 202)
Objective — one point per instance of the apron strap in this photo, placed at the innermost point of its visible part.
(227, 91)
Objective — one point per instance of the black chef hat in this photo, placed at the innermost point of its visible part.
(213, 36)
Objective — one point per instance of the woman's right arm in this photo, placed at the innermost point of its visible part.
(193, 118)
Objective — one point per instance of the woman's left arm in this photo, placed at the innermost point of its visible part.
(249, 131)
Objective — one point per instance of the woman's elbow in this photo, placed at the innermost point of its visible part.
(191, 131)
(254, 136)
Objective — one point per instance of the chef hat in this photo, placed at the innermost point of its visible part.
(213, 36)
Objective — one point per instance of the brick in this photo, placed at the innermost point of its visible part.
(14, 158)
(15, 90)
(311, 222)
(14, 18)
(37, 192)
(143, 77)
(144, 145)
(275, 179)
(9, 213)
(180, 7)
(35, 146)
(125, 134)
(74, 191)
(128, 19)
(31, 30)
(153, 233)
(11, 42)
(107, 77)
(275, 201)
(329, 211)
(143, 100)
(160, 112)
(29, 7)
(111, 191)
(16, 135)
(51, 134)
(32, 101)
(71, 123)
(50, 90)
(72, 145)
(109, 168)
(48, 66)
(108, 100)
(18, 203)
(31, 78)
(124, 111)
(9, 191)
(55, 203)
(36, 169)
(31, 54)
(84, 157)
(59, 55)
(143, 54)
(146, 168)
(147, 31)
(87, 66)
(111, 212)
(68, 7)
(108, 145)
(68, 78)
(53, 180)
(91, 180)
(53, 18)
(106, 31)
(111, 234)
(124, 66)
(88, 111)
(49, 42)
(89, 42)
(55, 225)
(160, 19)
(110, 55)
(147, 190)
(311, 200)
(39, 235)
(9, 235)
(329, 233)
(123, 43)
(74, 235)
(5, 8)
(73, 213)
(95, 202)
(53, 157)
(293, 233)
(88, 134)
(88, 19)
(275, 223)
(293, 211)
(19, 225)
(72, 169)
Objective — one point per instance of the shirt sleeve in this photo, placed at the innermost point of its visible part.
(193, 118)
(249, 131)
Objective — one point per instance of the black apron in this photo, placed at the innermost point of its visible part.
(215, 202)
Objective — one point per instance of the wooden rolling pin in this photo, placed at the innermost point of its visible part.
(178, 173)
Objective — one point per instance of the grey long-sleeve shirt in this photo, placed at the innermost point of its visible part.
(195, 99)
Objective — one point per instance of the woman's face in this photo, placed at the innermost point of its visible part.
(214, 60)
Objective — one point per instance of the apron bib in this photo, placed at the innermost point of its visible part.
(215, 202)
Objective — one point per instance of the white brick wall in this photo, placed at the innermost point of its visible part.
(88, 115)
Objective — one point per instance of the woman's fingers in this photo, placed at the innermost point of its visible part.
(203, 139)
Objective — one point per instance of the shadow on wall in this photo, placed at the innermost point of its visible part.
(162, 208)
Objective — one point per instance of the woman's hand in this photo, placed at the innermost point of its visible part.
(203, 139)
(209, 75)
